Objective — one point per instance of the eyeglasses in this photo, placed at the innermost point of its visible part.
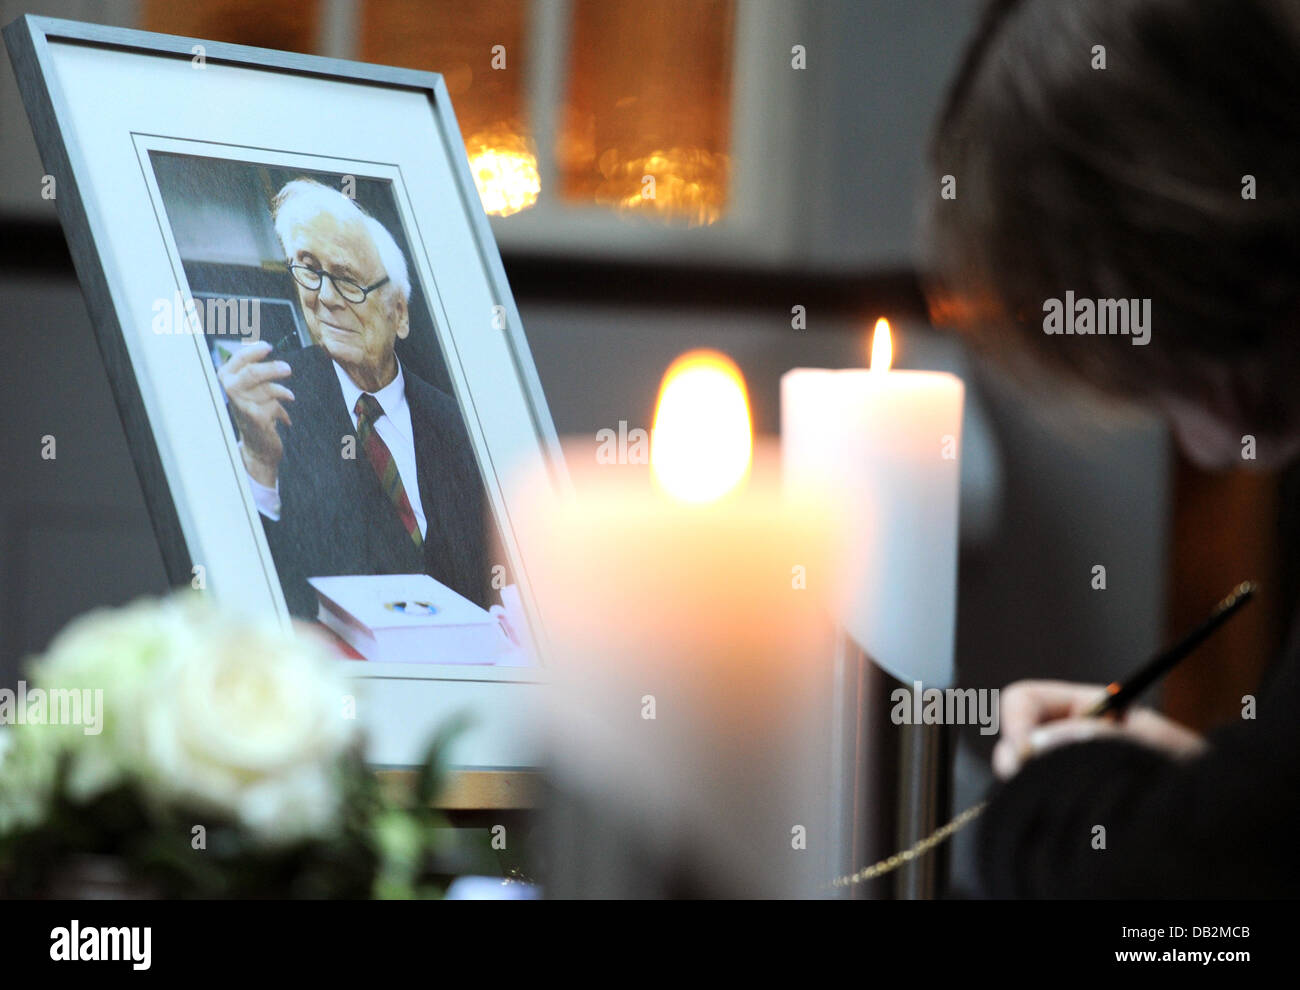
(313, 278)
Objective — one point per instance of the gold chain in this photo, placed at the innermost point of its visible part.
(912, 852)
(879, 869)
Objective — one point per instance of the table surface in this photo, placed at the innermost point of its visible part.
(478, 790)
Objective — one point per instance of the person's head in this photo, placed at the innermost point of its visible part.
(323, 231)
(1133, 150)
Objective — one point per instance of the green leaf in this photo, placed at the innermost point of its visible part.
(433, 770)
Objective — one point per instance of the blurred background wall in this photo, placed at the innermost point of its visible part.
(777, 187)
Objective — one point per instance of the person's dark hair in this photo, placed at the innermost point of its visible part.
(1127, 182)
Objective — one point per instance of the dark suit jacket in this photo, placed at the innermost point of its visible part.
(335, 518)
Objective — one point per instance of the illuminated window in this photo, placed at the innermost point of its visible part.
(635, 95)
(479, 47)
(647, 116)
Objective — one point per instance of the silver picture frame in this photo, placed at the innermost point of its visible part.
(62, 67)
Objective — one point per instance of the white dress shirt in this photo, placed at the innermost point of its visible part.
(393, 427)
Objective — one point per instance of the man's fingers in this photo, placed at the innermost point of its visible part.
(1163, 733)
(259, 397)
(1141, 726)
(246, 355)
(1011, 753)
(1068, 731)
(265, 371)
(1007, 758)
(1026, 704)
(257, 416)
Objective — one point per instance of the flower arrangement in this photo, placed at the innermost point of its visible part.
(202, 756)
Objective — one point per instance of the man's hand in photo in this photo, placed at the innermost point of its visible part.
(256, 399)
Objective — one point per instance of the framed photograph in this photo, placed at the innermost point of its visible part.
(323, 377)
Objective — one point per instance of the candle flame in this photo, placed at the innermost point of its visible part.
(882, 346)
(701, 446)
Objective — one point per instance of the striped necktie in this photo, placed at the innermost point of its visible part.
(368, 411)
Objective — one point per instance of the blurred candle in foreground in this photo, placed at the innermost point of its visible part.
(687, 619)
(889, 442)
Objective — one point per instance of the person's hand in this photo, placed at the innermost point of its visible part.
(1041, 715)
(255, 393)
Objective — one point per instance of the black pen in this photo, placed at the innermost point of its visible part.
(1120, 695)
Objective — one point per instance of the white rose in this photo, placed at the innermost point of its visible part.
(251, 723)
(246, 719)
(26, 779)
(120, 652)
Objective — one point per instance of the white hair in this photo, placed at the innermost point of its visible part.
(302, 199)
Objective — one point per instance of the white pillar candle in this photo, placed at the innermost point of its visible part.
(688, 630)
(887, 443)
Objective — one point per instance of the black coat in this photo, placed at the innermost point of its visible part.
(334, 517)
(1220, 826)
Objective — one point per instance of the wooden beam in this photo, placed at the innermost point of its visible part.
(1224, 531)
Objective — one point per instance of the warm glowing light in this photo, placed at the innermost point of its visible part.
(505, 171)
(882, 346)
(701, 446)
(686, 184)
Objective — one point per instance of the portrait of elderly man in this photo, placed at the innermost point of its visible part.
(356, 465)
